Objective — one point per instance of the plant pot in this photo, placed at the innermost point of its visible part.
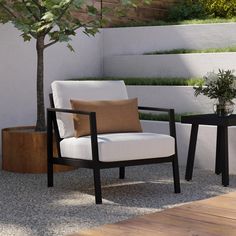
(224, 109)
(25, 151)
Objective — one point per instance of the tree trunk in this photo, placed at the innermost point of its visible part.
(41, 124)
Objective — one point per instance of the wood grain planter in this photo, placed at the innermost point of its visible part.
(25, 151)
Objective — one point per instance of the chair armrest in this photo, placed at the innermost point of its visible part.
(171, 113)
(93, 128)
(154, 109)
(60, 110)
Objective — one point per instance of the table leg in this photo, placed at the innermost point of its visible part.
(191, 152)
(225, 156)
(218, 163)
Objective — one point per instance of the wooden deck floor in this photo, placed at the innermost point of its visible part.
(212, 217)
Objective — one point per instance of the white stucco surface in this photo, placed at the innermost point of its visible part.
(138, 40)
(180, 98)
(173, 65)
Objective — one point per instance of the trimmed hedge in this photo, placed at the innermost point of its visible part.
(219, 8)
(208, 20)
(153, 81)
(187, 10)
(160, 117)
(202, 9)
(185, 51)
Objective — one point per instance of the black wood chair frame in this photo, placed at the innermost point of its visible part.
(95, 164)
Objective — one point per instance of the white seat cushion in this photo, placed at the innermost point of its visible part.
(63, 91)
(120, 146)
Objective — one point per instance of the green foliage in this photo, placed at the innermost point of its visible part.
(221, 86)
(201, 9)
(153, 81)
(54, 18)
(180, 22)
(184, 51)
(161, 81)
(220, 8)
(186, 10)
(161, 117)
(58, 19)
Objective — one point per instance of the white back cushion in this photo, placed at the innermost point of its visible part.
(63, 91)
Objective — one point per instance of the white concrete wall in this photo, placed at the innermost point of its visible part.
(206, 143)
(176, 65)
(137, 40)
(18, 72)
(181, 98)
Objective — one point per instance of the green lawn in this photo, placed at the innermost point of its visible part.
(153, 81)
(185, 51)
(161, 117)
(184, 22)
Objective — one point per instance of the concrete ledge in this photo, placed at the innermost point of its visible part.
(173, 65)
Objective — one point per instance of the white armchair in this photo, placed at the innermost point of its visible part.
(100, 151)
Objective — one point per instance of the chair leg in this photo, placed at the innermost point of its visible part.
(122, 172)
(175, 166)
(97, 186)
(50, 174)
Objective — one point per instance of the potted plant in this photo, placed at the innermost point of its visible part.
(222, 87)
(47, 22)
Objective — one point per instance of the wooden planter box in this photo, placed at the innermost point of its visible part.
(25, 151)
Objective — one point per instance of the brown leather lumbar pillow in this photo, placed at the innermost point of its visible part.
(114, 116)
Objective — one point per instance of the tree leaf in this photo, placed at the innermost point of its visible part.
(26, 37)
(70, 47)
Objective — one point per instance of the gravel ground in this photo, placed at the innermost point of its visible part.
(28, 207)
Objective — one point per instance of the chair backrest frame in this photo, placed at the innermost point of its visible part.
(55, 126)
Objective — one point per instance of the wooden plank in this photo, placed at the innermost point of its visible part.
(25, 151)
(212, 217)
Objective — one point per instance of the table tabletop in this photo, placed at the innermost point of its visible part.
(209, 119)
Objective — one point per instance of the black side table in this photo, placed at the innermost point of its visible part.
(222, 123)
